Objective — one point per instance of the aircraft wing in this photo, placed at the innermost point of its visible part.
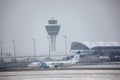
(58, 64)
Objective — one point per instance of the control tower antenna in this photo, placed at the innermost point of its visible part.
(52, 29)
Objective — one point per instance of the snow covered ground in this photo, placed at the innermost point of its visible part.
(61, 75)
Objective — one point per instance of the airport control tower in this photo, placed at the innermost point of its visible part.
(52, 29)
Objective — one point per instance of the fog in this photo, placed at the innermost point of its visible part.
(80, 20)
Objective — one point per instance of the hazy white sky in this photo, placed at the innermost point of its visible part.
(80, 20)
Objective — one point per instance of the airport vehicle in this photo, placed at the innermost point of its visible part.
(56, 64)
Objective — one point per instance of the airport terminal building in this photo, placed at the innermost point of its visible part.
(105, 53)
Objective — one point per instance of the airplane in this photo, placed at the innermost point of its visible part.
(55, 64)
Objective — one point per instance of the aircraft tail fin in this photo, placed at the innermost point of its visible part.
(75, 59)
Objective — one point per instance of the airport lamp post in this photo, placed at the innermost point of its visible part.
(49, 45)
(14, 49)
(34, 47)
(1, 49)
(65, 37)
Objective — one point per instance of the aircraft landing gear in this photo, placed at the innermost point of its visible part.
(56, 67)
